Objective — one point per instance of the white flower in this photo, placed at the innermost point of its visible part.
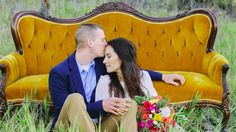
(155, 122)
(153, 111)
(150, 115)
(165, 112)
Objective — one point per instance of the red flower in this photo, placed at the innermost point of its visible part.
(173, 123)
(145, 116)
(165, 119)
(153, 129)
(146, 104)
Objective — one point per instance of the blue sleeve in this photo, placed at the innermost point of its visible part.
(95, 109)
(155, 76)
(58, 90)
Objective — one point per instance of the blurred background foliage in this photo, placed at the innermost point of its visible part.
(76, 8)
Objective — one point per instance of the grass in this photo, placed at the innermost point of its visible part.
(226, 45)
(26, 118)
(30, 117)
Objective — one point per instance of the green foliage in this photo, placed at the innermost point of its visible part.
(184, 113)
(26, 118)
(163, 102)
(181, 115)
(140, 99)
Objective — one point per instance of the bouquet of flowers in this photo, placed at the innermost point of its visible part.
(154, 114)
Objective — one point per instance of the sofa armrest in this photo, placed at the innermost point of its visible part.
(212, 66)
(13, 67)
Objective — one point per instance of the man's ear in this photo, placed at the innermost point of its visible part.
(90, 43)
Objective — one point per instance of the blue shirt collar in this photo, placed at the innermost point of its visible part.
(91, 65)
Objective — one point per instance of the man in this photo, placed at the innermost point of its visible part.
(72, 85)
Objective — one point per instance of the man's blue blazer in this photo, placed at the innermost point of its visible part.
(64, 79)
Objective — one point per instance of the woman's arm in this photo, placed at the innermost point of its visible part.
(147, 85)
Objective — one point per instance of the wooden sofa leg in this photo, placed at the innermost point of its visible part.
(226, 114)
(225, 99)
(3, 104)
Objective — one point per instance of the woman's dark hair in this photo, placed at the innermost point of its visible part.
(126, 51)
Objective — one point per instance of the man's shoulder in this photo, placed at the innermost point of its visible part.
(64, 65)
(61, 67)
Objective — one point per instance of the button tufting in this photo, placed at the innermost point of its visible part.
(162, 40)
(155, 43)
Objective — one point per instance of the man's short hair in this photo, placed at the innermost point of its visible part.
(84, 32)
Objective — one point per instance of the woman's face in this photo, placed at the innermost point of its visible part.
(111, 60)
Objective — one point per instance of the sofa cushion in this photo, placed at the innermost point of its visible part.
(195, 83)
(37, 86)
(34, 86)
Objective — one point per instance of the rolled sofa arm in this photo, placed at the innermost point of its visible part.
(13, 67)
(214, 65)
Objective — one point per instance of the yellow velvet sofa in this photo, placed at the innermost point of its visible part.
(181, 44)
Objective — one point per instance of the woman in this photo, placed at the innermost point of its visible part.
(125, 79)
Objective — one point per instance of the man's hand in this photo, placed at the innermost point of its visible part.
(117, 106)
(174, 79)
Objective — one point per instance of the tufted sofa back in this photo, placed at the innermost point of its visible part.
(177, 43)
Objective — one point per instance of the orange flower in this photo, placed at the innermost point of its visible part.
(145, 116)
(159, 97)
(164, 119)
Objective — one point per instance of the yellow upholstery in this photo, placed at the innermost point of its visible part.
(177, 46)
(196, 83)
(16, 67)
(33, 86)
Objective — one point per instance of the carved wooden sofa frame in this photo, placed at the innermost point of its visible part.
(153, 37)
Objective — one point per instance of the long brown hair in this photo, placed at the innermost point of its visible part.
(126, 51)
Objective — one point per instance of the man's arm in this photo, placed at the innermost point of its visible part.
(58, 89)
(155, 76)
(173, 79)
(95, 109)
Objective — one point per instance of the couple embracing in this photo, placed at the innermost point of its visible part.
(99, 80)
